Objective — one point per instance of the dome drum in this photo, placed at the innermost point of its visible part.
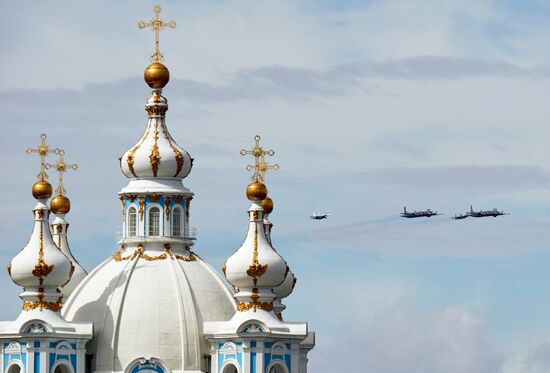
(156, 215)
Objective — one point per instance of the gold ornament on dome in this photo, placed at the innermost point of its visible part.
(156, 24)
(131, 154)
(255, 304)
(260, 166)
(179, 156)
(41, 305)
(41, 268)
(255, 269)
(154, 157)
(43, 150)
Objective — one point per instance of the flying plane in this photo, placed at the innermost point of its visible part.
(484, 213)
(418, 214)
(461, 216)
(316, 216)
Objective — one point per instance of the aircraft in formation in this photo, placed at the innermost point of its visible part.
(418, 214)
(475, 214)
(316, 216)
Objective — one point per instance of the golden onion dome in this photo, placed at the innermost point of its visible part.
(42, 189)
(156, 75)
(256, 191)
(267, 205)
(60, 204)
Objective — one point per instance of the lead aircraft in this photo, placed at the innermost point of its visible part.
(316, 216)
(485, 213)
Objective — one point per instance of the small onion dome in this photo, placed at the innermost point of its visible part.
(255, 264)
(60, 204)
(267, 205)
(286, 287)
(42, 190)
(156, 75)
(256, 191)
(40, 264)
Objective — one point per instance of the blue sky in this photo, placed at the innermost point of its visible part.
(370, 106)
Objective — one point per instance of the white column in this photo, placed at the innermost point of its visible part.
(259, 357)
(295, 358)
(214, 359)
(30, 357)
(80, 357)
(246, 359)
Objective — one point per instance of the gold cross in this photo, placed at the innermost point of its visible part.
(157, 25)
(61, 167)
(43, 150)
(260, 165)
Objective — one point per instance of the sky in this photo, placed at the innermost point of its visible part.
(369, 105)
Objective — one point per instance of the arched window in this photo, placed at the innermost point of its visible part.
(154, 221)
(176, 222)
(14, 368)
(230, 368)
(277, 368)
(132, 222)
(61, 368)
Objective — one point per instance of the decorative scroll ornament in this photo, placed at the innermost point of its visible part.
(41, 305)
(41, 269)
(179, 156)
(61, 167)
(157, 25)
(167, 207)
(154, 157)
(254, 305)
(43, 150)
(260, 166)
(255, 269)
(130, 158)
(141, 207)
(168, 253)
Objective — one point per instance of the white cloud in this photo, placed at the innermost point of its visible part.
(404, 339)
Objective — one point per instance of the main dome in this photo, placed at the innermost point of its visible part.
(148, 305)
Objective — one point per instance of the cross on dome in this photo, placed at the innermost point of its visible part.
(260, 165)
(157, 25)
(43, 150)
(61, 167)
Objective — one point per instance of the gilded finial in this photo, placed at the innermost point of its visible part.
(43, 150)
(61, 167)
(157, 25)
(260, 165)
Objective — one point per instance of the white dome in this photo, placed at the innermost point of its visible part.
(150, 308)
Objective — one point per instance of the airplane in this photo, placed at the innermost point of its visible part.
(316, 216)
(461, 216)
(418, 214)
(484, 213)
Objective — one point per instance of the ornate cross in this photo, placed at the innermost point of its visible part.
(260, 165)
(157, 25)
(61, 167)
(43, 150)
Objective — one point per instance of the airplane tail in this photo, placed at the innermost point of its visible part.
(471, 208)
(404, 209)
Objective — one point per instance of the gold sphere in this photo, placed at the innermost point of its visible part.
(60, 204)
(267, 205)
(42, 189)
(156, 75)
(256, 191)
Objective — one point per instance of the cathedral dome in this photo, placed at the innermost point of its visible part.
(147, 304)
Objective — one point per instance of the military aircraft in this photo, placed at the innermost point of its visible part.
(418, 214)
(484, 213)
(461, 216)
(316, 216)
